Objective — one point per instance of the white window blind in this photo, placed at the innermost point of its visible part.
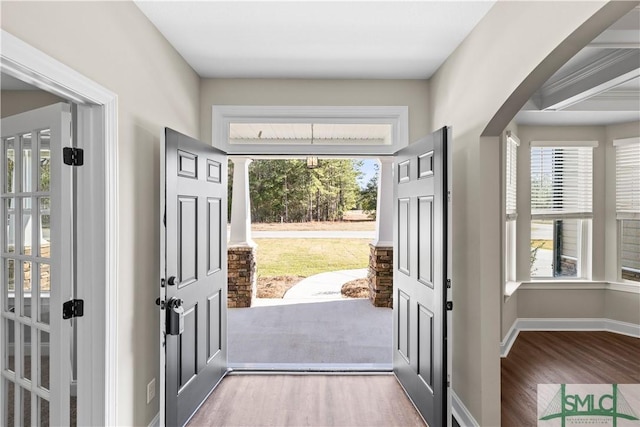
(511, 176)
(628, 178)
(561, 180)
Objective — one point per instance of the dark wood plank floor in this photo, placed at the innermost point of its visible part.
(308, 400)
(563, 358)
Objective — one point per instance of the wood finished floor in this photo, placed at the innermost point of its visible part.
(563, 357)
(308, 400)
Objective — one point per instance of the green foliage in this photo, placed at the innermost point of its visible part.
(369, 196)
(288, 191)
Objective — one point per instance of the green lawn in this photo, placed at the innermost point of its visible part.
(306, 257)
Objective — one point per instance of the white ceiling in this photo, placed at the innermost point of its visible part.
(356, 39)
(600, 85)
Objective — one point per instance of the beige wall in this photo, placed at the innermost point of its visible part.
(622, 306)
(412, 93)
(561, 303)
(115, 45)
(505, 49)
(18, 101)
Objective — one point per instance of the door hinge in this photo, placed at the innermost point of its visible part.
(73, 308)
(73, 156)
(449, 305)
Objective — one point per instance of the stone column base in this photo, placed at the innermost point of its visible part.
(241, 276)
(381, 276)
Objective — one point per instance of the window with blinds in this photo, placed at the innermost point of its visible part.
(628, 206)
(511, 176)
(561, 181)
(510, 166)
(561, 208)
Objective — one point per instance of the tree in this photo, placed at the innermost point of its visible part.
(369, 196)
(288, 191)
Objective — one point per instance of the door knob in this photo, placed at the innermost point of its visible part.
(173, 281)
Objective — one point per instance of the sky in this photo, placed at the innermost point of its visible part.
(368, 171)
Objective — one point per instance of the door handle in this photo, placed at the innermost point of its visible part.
(175, 317)
(173, 281)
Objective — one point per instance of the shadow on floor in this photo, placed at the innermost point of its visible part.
(338, 332)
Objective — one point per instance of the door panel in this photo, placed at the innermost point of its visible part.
(421, 190)
(195, 255)
(35, 268)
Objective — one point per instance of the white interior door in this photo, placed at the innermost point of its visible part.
(35, 268)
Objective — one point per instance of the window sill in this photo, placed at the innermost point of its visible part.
(577, 284)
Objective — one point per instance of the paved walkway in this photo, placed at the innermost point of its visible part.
(313, 327)
(325, 286)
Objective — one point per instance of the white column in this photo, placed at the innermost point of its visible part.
(384, 209)
(240, 233)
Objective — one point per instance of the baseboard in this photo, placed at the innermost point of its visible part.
(461, 413)
(559, 324)
(155, 422)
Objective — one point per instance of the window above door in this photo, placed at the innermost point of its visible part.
(368, 130)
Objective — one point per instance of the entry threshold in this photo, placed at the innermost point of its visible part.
(307, 368)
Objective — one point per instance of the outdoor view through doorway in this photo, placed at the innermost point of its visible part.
(312, 223)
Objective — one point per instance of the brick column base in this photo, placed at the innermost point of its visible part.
(381, 276)
(241, 281)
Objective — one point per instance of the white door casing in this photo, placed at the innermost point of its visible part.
(97, 123)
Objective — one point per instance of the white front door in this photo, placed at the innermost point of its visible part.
(35, 268)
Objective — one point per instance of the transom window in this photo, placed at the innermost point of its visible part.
(309, 130)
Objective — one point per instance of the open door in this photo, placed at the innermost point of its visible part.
(193, 295)
(420, 277)
(36, 260)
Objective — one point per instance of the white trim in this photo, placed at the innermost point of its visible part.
(461, 413)
(223, 115)
(509, 339)
(29, 64)
(513, 137)
(155, 422)
(593, 144)
(568, 324)
(626, 141)
(550, 285)
(626, 286)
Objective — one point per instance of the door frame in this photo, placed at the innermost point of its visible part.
(97, 222)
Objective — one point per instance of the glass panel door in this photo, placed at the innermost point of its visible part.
(34, 281)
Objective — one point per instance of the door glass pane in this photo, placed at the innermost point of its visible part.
(45, 290)
(26, 352)
(44, 175)
(10, 340)
(27, 226)
(10, 165)
(26, 288)
(26, 407)
(45, 227)
(8, 405)
(44, 360)
(43, 411)
(10, 289)
(27, 163)
(9, 213)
